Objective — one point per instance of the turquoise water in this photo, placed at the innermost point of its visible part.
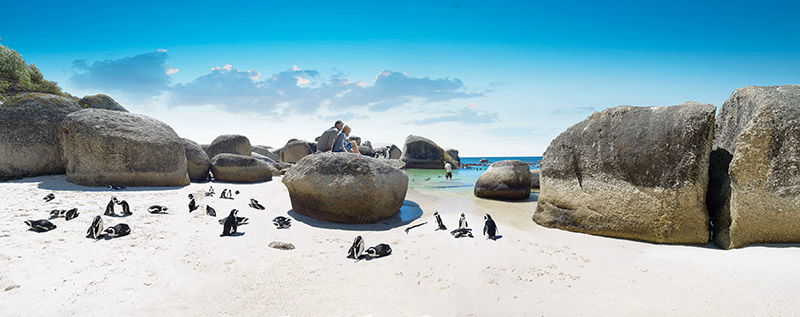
(463, 178)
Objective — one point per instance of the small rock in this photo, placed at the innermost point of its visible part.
(281, 245)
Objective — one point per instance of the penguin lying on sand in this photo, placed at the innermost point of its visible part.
(380, 250)
(282, 222)
(156, 209)
(211, 211)
(41, 225)
(254, 203)
(49, 197)
(118, 230)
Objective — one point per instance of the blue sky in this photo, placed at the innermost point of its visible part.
(489, 78)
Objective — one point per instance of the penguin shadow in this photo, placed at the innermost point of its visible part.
(236, 234)
(367, 257)
(496, 237)
(409, 212)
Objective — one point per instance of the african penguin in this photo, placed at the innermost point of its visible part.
(230, 225)
(55, 213)
(210, 211)
(126, 209)
(41, 225)
(96, 229)
(210, 192)
(380, 250)
(439, 221)
(49, 197)
(110, 207)
(112, 187)
(282, 222)
(489, 227)
(156, 209)
(254, 203)
(71, 214)
(192, 204)
(462, 222)
(356, 249)
(465, 232)
(118, 230)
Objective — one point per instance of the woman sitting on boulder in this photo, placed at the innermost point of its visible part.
(341, 144)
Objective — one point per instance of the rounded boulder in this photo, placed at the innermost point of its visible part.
(237, 168)
(29, 135)
(505, 180)
(229, 143)
(105, 147)
(321, 186)
(197, 162)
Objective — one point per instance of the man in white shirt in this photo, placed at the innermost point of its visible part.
(448, 170)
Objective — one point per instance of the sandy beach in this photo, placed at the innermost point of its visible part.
(177, 264)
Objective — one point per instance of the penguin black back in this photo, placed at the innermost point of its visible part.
(230, 225)
(489, 227)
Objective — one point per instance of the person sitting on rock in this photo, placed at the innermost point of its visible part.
(326, 140)
(341, 144)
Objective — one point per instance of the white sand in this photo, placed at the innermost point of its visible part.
(177, 264)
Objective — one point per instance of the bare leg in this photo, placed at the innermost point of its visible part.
(355, 147)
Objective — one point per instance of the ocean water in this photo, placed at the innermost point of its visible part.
(464, 178)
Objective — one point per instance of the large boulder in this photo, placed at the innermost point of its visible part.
(754, 186)
(263, 158)
(197, 162)
(101, 101)
(505, 180)
(535, 179)
(323, 185)
(366, 150)
(29, 135)
(631, 172)
(421, 152)
(265, 151)
(237, 168)
(230, 143)
(294, 150)
(106, 147)
(455, 160)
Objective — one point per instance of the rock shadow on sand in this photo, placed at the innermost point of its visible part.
(409, 212)
(59, 182)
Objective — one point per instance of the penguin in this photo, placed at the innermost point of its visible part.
(380, 250)
(356, 249)
(110, 207)
(462, 232)
(224, 194)
(156, 209)
(41, 225)
(230, 225)
(239, 220)
(192, 204)
(112, 187)
(439, 221)
(254, 203)
(210, 192)
(237, 193)
(462, 222)
(71, 214)
(49, 197)
(282, 222)
(489, 227)
(126, 209)
(210, 211)
(118, 230)
(56, 213)
(96, 229)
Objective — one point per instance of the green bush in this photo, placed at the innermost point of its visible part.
(16, 76)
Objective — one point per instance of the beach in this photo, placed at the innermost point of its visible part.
(177, 264)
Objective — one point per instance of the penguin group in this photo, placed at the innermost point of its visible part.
(96, 231)
(356, 250)
(66, 214)
(126, 209)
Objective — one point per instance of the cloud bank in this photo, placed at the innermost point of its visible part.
(292, 91)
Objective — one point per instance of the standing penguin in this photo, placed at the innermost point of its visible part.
(126, 209)
(192, 204)
(489, 227)
(439, 221)
(230, 225)
(462, 222)
(210, 192)
(96, 229)
(356, 249)
(210, 211)
(110, 207)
